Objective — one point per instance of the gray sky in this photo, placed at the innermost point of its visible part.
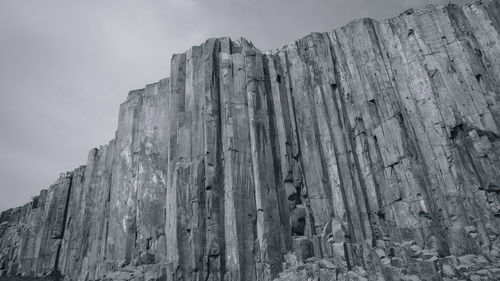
(65, 66)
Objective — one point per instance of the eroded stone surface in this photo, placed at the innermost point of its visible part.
(372, 151)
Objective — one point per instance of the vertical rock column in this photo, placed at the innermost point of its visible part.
(268, 258)
(239, 197)
(139, 177)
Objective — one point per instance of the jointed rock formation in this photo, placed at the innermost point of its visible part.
(367, 152)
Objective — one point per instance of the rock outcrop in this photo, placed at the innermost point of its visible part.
(369, 152)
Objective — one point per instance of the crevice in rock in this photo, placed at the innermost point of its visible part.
(411, 31)
(34, 203)
(63, 226)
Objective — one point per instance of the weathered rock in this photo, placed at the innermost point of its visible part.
(448, 271)
(303, 247)
(375, 145)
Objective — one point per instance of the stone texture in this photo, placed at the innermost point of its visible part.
(369, 152)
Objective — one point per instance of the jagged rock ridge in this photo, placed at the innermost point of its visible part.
(370, 151)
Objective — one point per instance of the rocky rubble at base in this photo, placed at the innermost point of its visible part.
(381, 260)
(154, 272)
(18, 278)
(402, 262)
(412, 264)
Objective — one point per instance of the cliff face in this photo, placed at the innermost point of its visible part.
(374, 147)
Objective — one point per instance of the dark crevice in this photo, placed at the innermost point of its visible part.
(298, 220)
(295, 198)
(425, 215)
(408, 12)
(393, 164)
(455, 132)
(34, 204)
(433, 73)
(381, 215)
(478, 52)
(347, 257)
(492, 136)
(63, 226)
(219, 156)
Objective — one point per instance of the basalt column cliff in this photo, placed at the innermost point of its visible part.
(367, 152)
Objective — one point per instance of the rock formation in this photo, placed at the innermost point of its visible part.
(367, 152)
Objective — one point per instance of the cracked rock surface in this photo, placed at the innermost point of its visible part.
(369, 152)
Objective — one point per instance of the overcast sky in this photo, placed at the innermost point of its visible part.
(65, 66)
